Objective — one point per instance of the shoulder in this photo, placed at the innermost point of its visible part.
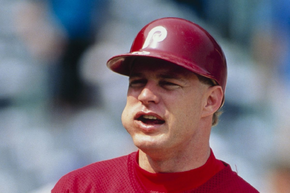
(94, 175)
(227, 181)
(102, 167)
(232, 182)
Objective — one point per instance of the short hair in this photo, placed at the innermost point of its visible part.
(210, 82)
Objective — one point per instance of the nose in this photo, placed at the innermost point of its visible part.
(148, 94)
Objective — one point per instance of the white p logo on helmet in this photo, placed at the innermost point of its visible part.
(156, 34)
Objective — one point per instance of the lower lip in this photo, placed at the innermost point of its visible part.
(147, 128)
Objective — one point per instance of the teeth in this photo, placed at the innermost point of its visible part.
(149, 117)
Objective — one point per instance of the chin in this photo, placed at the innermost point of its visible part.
(148, 144)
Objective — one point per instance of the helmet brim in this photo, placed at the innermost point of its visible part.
(122, 63)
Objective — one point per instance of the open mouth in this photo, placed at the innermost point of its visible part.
(149, 119)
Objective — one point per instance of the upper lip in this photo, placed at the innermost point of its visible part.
(141, 114)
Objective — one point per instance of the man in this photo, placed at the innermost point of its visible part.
(177, 77)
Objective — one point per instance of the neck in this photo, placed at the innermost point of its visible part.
(174, 162)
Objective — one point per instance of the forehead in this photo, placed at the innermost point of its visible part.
(145, 65)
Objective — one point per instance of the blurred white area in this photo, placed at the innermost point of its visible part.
(38, 145)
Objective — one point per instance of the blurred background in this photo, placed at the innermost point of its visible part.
(60, 106)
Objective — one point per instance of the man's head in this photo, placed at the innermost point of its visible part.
(180, 42)
(177, 75)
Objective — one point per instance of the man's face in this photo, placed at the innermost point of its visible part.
(164, 105)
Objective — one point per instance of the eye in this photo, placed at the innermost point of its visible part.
(169, 85)
(136, 83)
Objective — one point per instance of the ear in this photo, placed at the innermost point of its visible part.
(213, 100)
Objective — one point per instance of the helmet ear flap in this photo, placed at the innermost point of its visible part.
(178, 41)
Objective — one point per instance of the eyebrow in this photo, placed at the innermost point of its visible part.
(135, 74)
(170, 75)
(162, 75)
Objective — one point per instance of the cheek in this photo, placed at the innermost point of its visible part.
(125, 117)
(187, 110)
(127, 114)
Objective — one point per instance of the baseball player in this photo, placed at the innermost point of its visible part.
(177, 79)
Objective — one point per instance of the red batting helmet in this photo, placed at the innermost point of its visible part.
(180, 42)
